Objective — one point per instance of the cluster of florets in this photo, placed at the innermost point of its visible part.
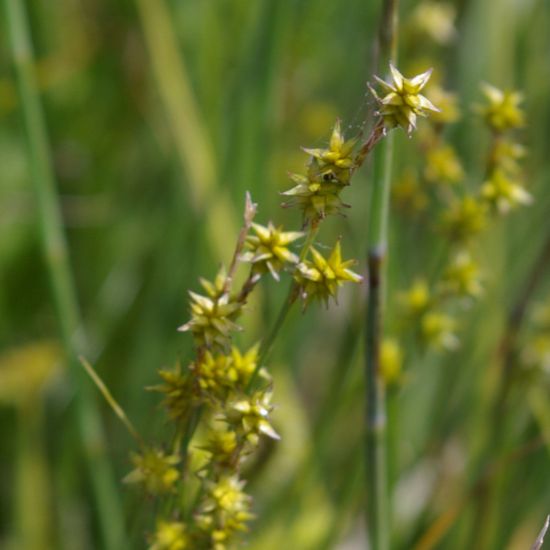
(403, 102)
(467, 215)
(503, 189)
(224, 511)
(224, 389)
(217, 374)
(320, 278)
(431, 309)
(213, 316)
(422, 310)
(329, 171)
(155, 470)
(227, 391)
(268, 250)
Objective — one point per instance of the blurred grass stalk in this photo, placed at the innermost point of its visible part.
(109, 515)
(186, 125)
(378, 512)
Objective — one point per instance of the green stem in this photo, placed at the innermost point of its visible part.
(378, 510)
(289, 301)
(54, 246)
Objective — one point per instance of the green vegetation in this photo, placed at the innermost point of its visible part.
(417, 399)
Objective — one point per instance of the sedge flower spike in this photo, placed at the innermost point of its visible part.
(155, 470)
(177, 389)
(170, 535)
(322, 277)
(335, 162)
(217, 374)
(391, 361)
(317, 193)
(462, 278)
(437, 331)
(436, 20)
(416, 300)
(249, 417)
(504, 194)
(403, 102)
(314, 196)
(267, 250)
(502, 111)
(443, 166)
(222, 446)
(212, 316)
(224, 512)
(464, 219)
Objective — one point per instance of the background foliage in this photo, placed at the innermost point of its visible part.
(161, 115)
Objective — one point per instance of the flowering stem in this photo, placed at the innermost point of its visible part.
(61, 280)
(375, 136)
(249, 212)
(289, 301)
(378, 516)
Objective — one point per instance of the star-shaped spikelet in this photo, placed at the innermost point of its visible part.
(403, 102)
(267, 250)
(322, 277)
(502, 111)
(212, 316)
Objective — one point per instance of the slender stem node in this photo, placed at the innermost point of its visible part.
(378, 509)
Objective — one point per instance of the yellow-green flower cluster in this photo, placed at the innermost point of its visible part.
(268, 250)
(317, 192)
(462, 277)
(170, 535)
(416, 300)
(435, 20)
(219, 374)
(503, 189)
(155, 470)
(403, 102)
(215, 391)
(179, 395)
(465, 218)
(213, 316)
(224, 512)
(224, 391)
(336, 162)
(438, 330)
(422, 309)
(320, 278)
(249, 417)
(223, 447)
(391, 361)
(443, 165)
(502, 110)
(503, 193)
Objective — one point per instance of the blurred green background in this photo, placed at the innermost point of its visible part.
(160, 115)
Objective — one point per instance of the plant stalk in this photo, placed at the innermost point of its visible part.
(377, 506)
(289, 301)
(109, 515)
